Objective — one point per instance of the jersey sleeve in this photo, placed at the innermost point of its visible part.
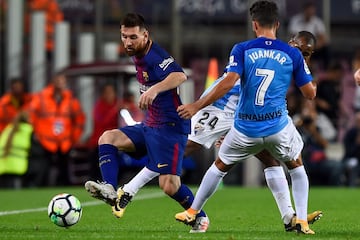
(302, 74)
(166, 66)
(236, 59)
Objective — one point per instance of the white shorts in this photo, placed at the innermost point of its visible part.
(209, 124)
(284, 146)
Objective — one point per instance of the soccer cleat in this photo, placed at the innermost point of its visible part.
(123, 199)
(102, 191)
(314, 216)
(201, 225)
(303, 227)
(187, 218)
(311, 218)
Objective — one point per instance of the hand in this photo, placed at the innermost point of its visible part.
(219, 141)
(147, 98)
(187, 111)
(357, 77)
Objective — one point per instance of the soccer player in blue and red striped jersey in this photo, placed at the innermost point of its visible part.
(162, 135)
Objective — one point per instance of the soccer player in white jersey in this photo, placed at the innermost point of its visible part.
(266, 67)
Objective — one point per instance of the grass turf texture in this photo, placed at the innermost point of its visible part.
(235, 213)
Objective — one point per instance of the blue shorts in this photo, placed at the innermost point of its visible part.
(165, 147)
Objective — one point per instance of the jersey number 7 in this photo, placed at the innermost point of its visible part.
(268, 76)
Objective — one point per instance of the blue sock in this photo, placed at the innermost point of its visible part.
(185, 197)
(109, 164)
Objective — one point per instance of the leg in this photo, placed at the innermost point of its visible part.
(110, 143)
(300, 191)
(287, 145)
(172, 186)
(208, 186)
(191, 147)
(278, 184)
(126, 193)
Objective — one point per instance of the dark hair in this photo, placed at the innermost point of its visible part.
(308, 37)
(265, 13)
(308, 4)
(16, 80)
(133, 20)
(59, 72)
(106, 85)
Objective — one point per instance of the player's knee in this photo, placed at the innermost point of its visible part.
(170, 186)
(108, 137)
(222, 166)
(293, 164)
(169, 189)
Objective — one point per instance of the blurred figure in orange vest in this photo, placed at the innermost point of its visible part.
(58, 122)
(13, 102)
(53, 14)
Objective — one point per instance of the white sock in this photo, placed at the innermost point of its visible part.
(278, 184)
(300, 191)
(137, 182)
(208, 186)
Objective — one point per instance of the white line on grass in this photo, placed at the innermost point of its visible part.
(91, 203)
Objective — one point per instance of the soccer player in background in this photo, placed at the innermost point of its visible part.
(162, 135)
(266, 67)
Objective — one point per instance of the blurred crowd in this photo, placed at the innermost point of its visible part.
(39, 130)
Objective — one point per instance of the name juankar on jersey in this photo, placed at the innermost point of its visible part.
(262, 53)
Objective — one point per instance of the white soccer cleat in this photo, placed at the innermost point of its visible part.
(102, 191)
(201, 225)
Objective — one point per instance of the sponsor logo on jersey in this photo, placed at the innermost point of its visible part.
(306, 68)
(166, 62)
(231, 61)
(260, 117)
(162, 165)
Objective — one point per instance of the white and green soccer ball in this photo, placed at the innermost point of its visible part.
(64, 210)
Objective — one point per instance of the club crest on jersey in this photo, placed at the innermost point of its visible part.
(198, 128)
(145, 76)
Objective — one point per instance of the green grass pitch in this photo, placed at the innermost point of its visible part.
(235, 213)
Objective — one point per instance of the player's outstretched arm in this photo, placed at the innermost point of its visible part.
(309, 90)
(188, 110)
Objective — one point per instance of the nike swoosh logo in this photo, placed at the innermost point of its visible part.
(162, 165)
